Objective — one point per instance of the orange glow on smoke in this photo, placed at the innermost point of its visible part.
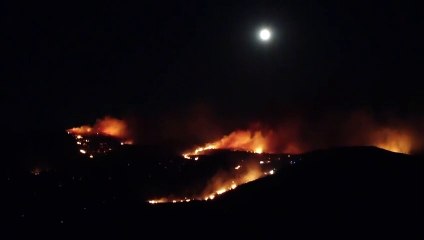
(393, 140)
(107, 126)
(222, 183)
(245, 140)
(290, 140)
(101, 137)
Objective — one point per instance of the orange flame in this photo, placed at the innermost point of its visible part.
(245, 140)
(222, 183)
(392, 138)
(107, 126)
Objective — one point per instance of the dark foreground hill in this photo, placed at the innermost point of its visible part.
(360, 191)
(342, 192)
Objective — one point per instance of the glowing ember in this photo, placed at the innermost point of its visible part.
(36, 171)
(238, 167)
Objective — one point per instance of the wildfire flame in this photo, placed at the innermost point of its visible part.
(107, 126)
(223, 182)
(393, 140)
(291, 138)
(245, 140)
(88, 137)
(259, 141)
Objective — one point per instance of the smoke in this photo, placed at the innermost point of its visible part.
(227, 180)
(198, 127)
(302, 133)
(179, 129)
(221, 182)
(358, 128)
(113, 127)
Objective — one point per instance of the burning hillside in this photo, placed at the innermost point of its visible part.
(104, 136)
(239, 171)
(237, 140)
(360, 130)
(107, 126)
(300, 135)
(262, 143)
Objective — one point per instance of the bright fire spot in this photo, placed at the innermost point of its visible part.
(161, 200)
(238, 167)
(258, 150)
(83, 151)
(221, 191)
(244, 140)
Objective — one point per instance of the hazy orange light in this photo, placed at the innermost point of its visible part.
(107, 126)
(393, 140)
(245, 140)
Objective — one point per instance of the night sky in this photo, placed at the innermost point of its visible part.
(70, 64)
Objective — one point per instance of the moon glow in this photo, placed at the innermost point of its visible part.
(265, 34)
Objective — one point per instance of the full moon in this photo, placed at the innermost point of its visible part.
(265, 34)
